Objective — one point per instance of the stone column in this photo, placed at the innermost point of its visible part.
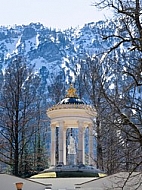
(91, 147)
(81, 156)
(62, 143)
(53, 144)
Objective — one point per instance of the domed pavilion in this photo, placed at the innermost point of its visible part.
(71, 112)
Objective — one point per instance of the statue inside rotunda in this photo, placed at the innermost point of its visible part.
(72, 114)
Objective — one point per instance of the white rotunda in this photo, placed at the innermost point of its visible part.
(71, 112)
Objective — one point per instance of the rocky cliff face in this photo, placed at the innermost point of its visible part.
(57, 51)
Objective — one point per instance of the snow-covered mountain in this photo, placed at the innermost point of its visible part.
(57, 51)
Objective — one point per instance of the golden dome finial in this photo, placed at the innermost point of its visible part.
(71, 92)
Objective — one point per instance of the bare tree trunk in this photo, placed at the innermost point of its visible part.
(99, 145)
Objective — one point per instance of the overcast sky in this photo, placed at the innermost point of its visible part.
(59, 14)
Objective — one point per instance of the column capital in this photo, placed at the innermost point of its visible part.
(90, 125)
(80, 123)
(53, 125)
(62, 125)
(61, 122)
